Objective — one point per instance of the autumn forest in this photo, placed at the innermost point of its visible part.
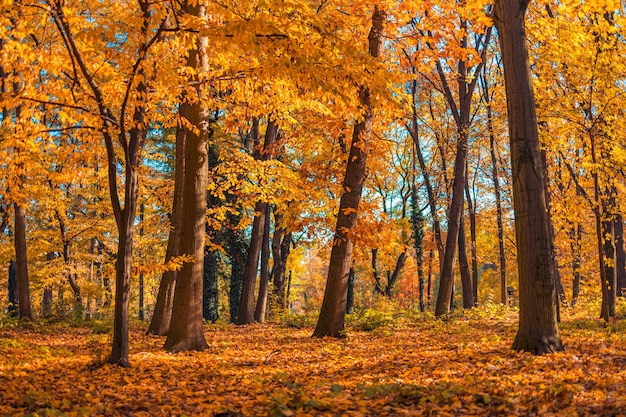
(316, 207)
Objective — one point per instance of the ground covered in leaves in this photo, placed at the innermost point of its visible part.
(401, 366)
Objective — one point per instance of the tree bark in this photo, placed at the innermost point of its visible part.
(186, 332)
(350, 295)
(12, 289)
(246, 305)
(620, 255)
(331, 321)
(471, 209)
(446, 280)
(21, 264)
(281, 246)
(538, 330)
(466, 279)
(575, 245)
(391, 281)
(504, 298)
(261, 302)
(210, 287)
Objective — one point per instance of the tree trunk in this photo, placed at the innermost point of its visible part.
(246, 305)
(504, 298)
(141, 312)
(350, 296)
(446, 280)
(466, 279)
(261, 302)
(281, 246)
(378, 286)
(620, 255)
(186, 332)
(417, 222)
(161, 317)
(123, 265)
(12, 289)
(331, 321)
(538, 330)
(432, 203)
(471, 209)
(47, 302)
(237, 249)
(575, 245)
(391, 281)
(21, 264)
(606, 247)
(210, 287)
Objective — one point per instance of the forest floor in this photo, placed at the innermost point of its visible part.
(404, 366)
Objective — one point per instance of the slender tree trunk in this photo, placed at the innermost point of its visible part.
(607, 246)
(538, 330)
(432, 203)
(504, 298)
(471, 209)
(417, 221)
(12, 289)
(261, 302)
(141, 313)
(246, 305)
(21, 264)
(160, 323)
(620, 255)
(210, 284)
(446, 280)
(237, 250)
(210, 288)
(331, 321)
(396, 273)
(281, 246)
(350, 296)
(378, 286)
(123, 264)
(466, 279)
(575, 245)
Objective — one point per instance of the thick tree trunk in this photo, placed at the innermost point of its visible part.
(538, 331)
(261, 302)
(21, 263)
(331, 321)
(186, 332)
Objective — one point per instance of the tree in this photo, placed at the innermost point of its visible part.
(186, 332)
(247, 307)
(331, 320)
(538, 330)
